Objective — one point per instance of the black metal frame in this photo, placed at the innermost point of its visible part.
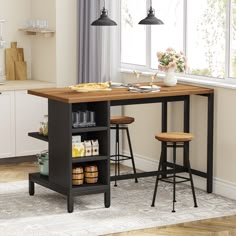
(60, 151)
(186, 101)
(117, 157)
(165, 178)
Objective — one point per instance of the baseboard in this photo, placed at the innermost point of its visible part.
(221, 187)
(16, 160)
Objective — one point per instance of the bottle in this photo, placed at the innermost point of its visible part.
(45, 125)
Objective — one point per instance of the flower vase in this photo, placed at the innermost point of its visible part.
(170, 78)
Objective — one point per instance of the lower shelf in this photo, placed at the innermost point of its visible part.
(75, 189)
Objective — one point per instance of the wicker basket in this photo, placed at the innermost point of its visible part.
(77, 175)
(91, 174)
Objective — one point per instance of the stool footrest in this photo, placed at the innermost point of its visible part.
(121, 158)
(165, 179)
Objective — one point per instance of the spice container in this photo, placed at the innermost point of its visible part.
(77, 175)
(43, 129)
(91, 174)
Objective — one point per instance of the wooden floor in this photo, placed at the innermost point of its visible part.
(16, 171)
(224, 226)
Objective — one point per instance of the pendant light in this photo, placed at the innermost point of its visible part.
(104, 20)
(151, 19)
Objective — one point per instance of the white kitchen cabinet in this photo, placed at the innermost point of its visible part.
(7, 124)
(29, 112)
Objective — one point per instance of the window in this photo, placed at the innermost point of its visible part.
(171, 33)
(133, 37)
(205, 30)
(233, 40)
(206, 37)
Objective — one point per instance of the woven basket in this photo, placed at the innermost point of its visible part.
(91, 174)
(77, 176)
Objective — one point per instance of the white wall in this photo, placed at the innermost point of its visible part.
(66, 42)
(148, 123)
(51, 59)
(44, 48)
(16, 13)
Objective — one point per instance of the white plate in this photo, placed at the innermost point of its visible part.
(116, 84)
(153, 87)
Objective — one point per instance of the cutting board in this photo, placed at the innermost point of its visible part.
(13, 55)
(20, 69)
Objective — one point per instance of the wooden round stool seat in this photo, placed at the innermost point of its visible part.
(174, 137)
(121, 120)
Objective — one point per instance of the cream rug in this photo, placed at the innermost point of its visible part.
(45, 213)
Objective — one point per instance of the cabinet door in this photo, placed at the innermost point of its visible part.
(29, 113)
(7, 124)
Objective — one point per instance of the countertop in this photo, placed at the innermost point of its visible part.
(12, 85)
(66, 95)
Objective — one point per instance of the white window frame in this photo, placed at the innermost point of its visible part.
(227, 82)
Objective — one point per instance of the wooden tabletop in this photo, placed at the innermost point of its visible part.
(68, 96)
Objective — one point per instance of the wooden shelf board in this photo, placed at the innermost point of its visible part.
(38, 136)
(31, 31)
(88, 159)
(89, 129)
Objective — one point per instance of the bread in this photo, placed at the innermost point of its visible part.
(91, 86)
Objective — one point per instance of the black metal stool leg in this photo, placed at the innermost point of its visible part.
(174, 175)
(191, 178)
(131, 154)
(116, 154)
(118, 148)
(157, 178)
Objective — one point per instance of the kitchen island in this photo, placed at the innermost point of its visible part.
(63, 101)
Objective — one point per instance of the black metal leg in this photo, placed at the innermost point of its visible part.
(131, 154)
(164, 129)
(70, 203)
(31, 188)
(107, 199)
(174, 175)
(157, 178)
(116, 153)
(191, 178)
(118, 148)
(210, 127)
(186, 126)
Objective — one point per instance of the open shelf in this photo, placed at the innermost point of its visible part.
(89, 188)
(61, 162)
(33, 31)
(77, 189)
(89, 129)
(38, 136)
(88, 159)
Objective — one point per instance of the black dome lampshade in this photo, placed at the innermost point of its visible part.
(104, 20)
(151, 19)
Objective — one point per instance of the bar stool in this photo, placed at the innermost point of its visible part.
(121, 123)
(174, 140)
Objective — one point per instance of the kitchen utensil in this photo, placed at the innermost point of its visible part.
(43, 162)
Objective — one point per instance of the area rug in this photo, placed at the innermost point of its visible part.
(45, 213)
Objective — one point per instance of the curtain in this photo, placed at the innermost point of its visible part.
(98, 46)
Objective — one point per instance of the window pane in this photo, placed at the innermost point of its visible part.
(171, 33)
(233, 41)
(133, 35)
(206, 37)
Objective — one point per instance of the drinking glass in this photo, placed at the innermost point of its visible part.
(153, 77)
(137, 74)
